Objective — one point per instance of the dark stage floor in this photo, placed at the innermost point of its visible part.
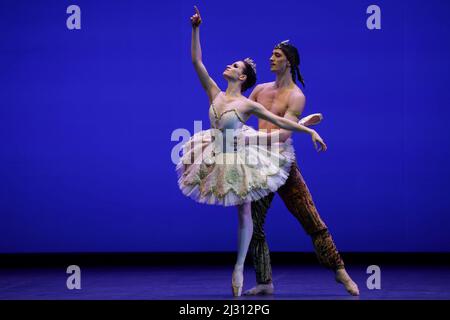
(213, 283)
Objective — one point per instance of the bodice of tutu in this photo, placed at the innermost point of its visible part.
(227, 119)
(230, 123)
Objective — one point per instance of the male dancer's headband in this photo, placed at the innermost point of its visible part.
(293, 57)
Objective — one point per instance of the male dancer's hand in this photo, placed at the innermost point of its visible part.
(317, 139)
(196, 19)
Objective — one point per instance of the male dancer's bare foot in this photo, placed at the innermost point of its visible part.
(343, 278)
(260, 289)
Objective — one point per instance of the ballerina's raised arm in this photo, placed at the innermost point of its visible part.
(207, 82)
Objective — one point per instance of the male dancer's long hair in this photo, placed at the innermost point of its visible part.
(293, 57)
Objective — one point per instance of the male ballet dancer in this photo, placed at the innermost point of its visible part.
(284, 98)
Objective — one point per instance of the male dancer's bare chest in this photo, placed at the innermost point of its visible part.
(276, 104)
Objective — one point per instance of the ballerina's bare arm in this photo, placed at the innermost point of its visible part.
(258, 110)
(207, 82)
(296, 105)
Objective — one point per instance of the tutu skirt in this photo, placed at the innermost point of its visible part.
(221, 169)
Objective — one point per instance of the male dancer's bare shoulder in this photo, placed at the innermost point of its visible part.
(279, 99)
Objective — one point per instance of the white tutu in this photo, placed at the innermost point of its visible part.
(246, 172)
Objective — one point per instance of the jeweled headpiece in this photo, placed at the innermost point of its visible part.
(251, 63)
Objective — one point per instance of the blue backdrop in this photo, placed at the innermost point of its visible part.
(86, 118)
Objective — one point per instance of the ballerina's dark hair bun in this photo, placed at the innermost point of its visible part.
(250, 72)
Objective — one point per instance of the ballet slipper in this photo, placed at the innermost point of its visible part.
(311, 120)
(237, 280)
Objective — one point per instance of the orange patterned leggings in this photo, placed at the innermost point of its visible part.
(297, 198)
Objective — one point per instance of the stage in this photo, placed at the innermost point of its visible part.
(165, 280)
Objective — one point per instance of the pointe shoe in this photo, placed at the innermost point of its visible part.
(342, 277)
(311, 120)
(237, 281)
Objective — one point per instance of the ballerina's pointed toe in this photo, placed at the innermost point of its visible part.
(237, 281)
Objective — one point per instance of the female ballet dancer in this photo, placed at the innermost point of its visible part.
(226, 165)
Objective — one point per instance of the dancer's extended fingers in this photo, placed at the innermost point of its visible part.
(322, 145)
(196, 11)
(198, 16)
